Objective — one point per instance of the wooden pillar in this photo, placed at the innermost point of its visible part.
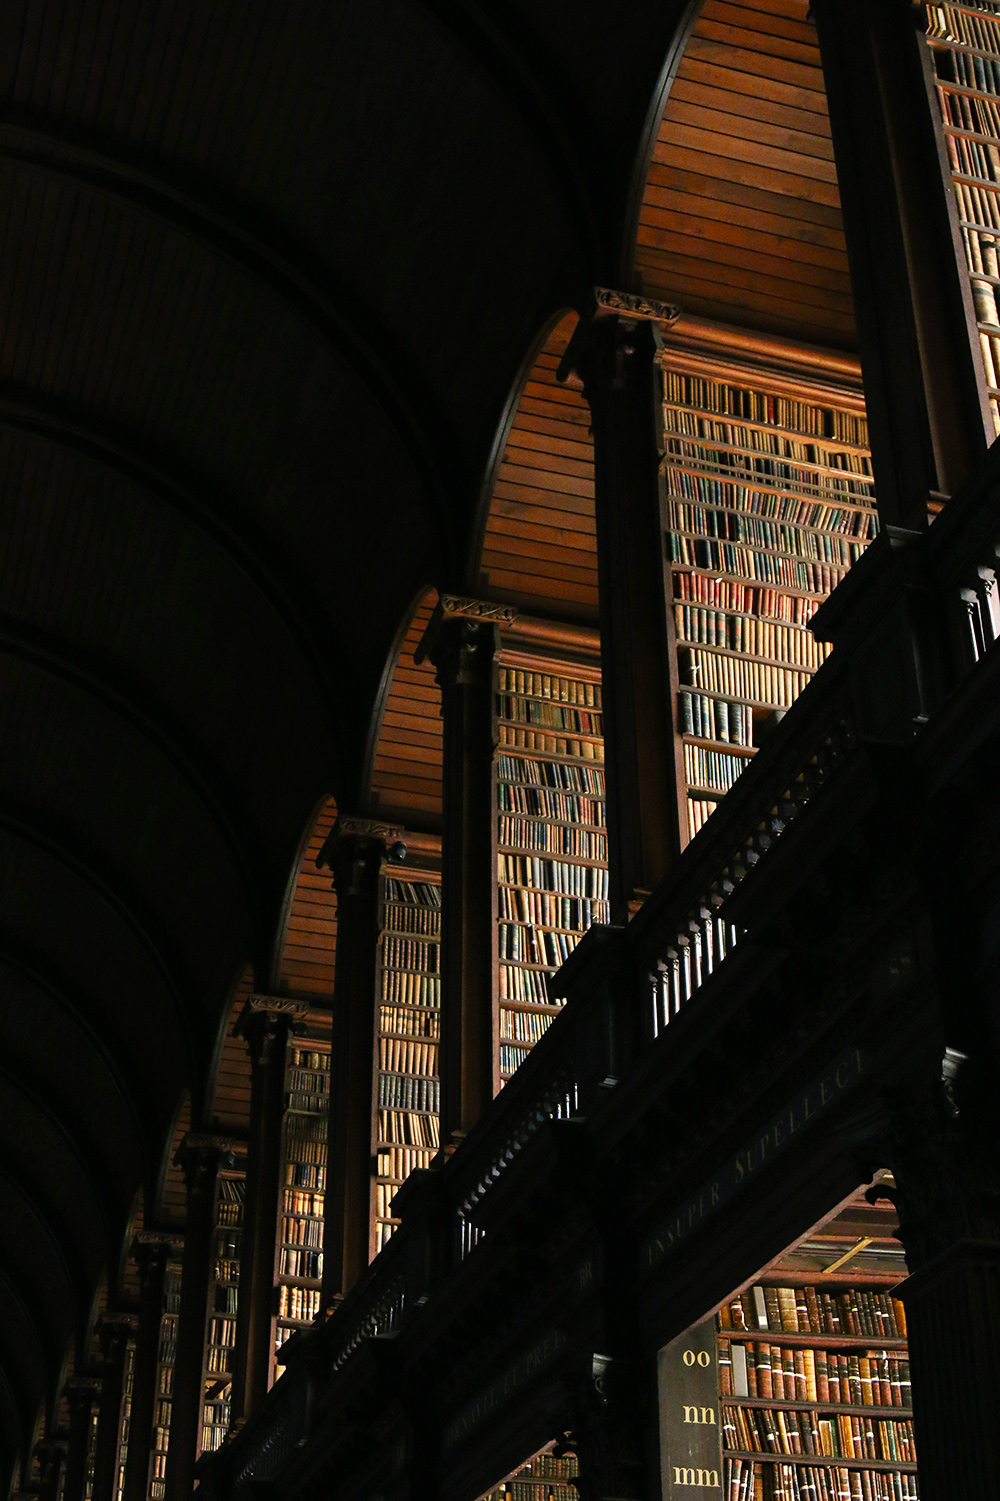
(614, 351)
(947, 1175)
(928, 408)
(613, 1434)
(51, 1455)
(200, 1157)
(462, 641)
(265, 1024)
(355, 852)
(115, 1333)
(151, 1252)
(81, 1394)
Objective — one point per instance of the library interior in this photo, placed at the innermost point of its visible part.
(501, 795)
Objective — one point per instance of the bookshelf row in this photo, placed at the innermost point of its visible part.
(408, 1089)
(769, 502)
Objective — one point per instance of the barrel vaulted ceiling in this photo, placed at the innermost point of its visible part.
(268, 274)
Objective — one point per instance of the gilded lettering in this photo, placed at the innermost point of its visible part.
(842, 1076)
(779, 1134)
(824, 1091)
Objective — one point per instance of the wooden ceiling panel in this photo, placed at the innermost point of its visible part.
(406, 760)
(309, 948)
(740, 220)
(539, 550)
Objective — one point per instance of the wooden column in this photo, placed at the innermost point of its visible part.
(925, 391)
(200, 1157)
(81, 1394)
(355, 852)
(947, 1174)
(151, 1253)
(265, 1024)
(614, 351)
(462, 640)
(51, 1455)
(115, 1333)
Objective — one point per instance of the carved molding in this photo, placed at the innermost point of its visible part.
(634, 306)
(350, 826)
(459, 605)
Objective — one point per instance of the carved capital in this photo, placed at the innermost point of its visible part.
(265, 1022)
(632, 305)
(460, 625)
(454, 605)
(200, 1156)
(613, 353)
(945, 1163)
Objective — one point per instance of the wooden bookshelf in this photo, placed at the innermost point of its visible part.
(166, 1354)
(768, 503)
(551, 839)
(544, 1477)
(965, 50)
(407, 1110)
(303, 1193)
(220, 1340)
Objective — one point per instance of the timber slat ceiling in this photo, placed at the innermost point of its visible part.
(406, 767)
(539, 550)
(310, 942)
(741, 216)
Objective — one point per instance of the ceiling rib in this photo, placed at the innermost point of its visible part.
(81, 434)
(227, 235)
(109, 889)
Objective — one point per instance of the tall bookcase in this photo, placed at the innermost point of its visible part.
(965, 48)
(220, 1337)
(166, 1355)
(300, 1242)
(552, 878)
(769, 500)
(121, 1458)
(407, 1105)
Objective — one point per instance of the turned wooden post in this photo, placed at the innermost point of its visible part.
(151, 1252)
(265, 1024)
(462, 641)
(354, 852)
(200, 1157)
(115, 1332)
(614, 352)
(81, 1394)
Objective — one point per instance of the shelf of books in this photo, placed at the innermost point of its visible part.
(221, 1332)
(552, 854)
(300, 1250)
(545, 1477)
(965, 47)
(815, 1395)
(166, 1354)
(769, 500)
(409, 1030)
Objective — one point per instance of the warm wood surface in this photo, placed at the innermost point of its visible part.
(741, 215)
(310, 939)
(406, 767)
(539, 549)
